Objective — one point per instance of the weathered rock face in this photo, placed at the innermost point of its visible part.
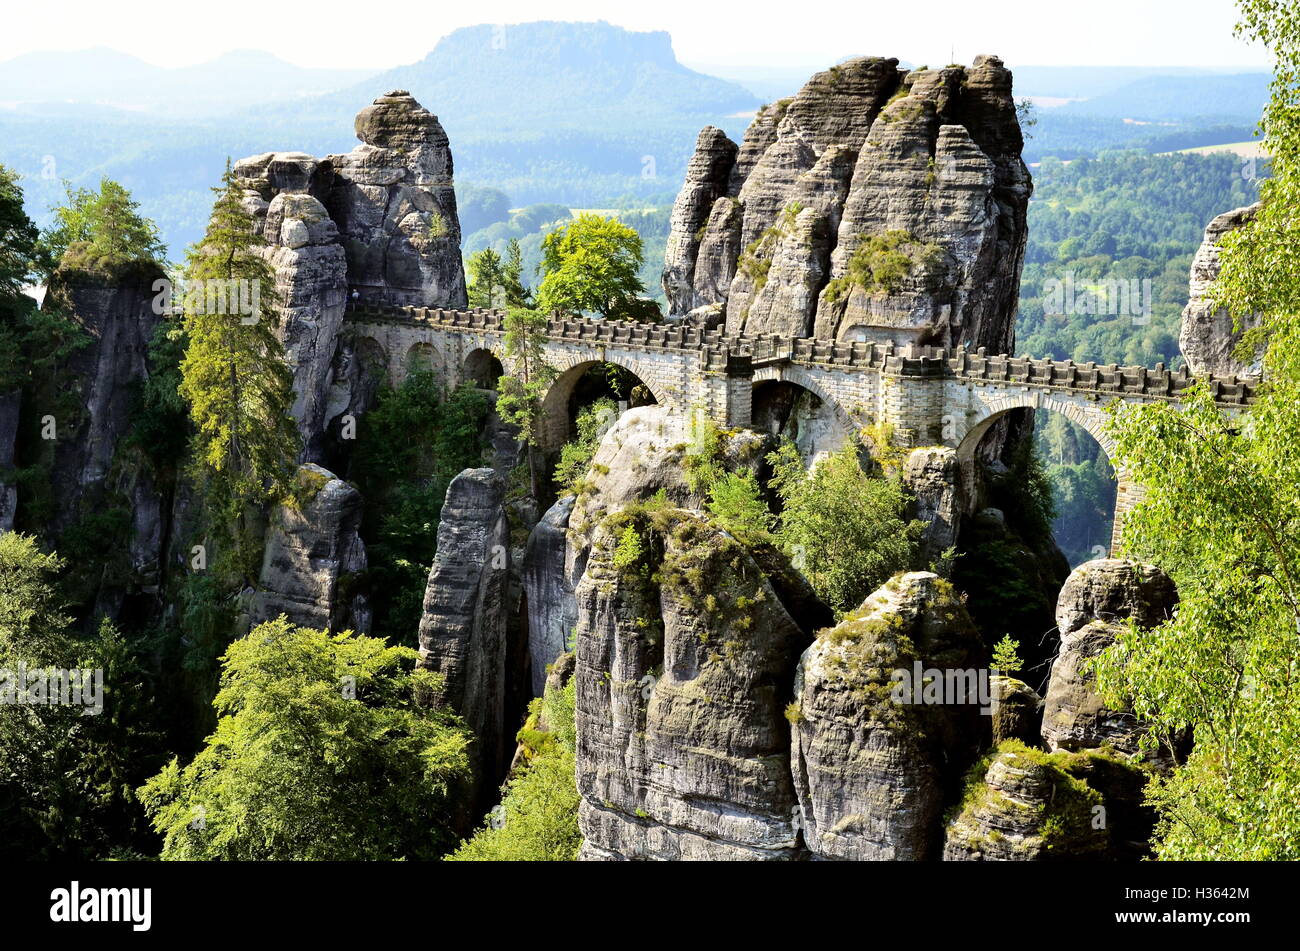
(311, 277)
(933, 477)
(464, 628)
(927, 161)
(552, 608)
(706, 182)
(395, 207)
(1207, 338)
(117, 313)
(1098, 597)
(646, 451)
(1017, 711)
(313, 556)
(685, 656)
(1028, 807)
(873, 766)
(378, 224)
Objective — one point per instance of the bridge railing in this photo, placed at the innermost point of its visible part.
(720, 351)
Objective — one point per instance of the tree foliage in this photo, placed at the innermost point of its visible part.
(590, 265)
(324, 750)
(236, 381)
(1220, 517)
(845, 530)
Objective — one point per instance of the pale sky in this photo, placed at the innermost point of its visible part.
(773, 33)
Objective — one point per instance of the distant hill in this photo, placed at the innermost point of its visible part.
(1232, 97)
(105, 77)
(546, 76)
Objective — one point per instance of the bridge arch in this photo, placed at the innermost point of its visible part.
(555, 422)
(824, 426)
(1087, 414)
(482, 368)
(421, 355)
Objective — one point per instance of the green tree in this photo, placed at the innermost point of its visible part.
(512, 275)
(590, 265)
(33, 615)
(843, 529)
(1219, 517)
(235, 379)
(521, 392)
(324, 749)
(537, 820)
(18, 254)
(101, 229)
(486, 279)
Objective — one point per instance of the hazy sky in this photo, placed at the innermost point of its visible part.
(772, 33)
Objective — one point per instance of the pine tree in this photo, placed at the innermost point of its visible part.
(234, 376)
(517, 295)
(521, 393)
(486, 279)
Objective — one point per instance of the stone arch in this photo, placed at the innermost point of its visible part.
(482, 368)
(554, 429)
(420, 355)
(1085, 413)
(839, 425)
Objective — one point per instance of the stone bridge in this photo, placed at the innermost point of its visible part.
(918, 396)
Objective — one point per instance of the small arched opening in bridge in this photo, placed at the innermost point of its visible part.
(422, 357)
(1073, 454)
(794, 409)
(581, 385)
(1013, 553)
(482, 369)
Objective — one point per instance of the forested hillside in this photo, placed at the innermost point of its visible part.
(1128, 216)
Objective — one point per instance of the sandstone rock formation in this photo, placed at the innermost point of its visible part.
(378, 224)
(1027, 806)
(1208, 337)
(866, 166)
(311, 278)
(873, 767)
(706, 182)
(116, 311)
(552, 608)
(646, 451)
(1098, 597)
(1017, 711)
(395, 207)
(685, 651)
(933, 477)
(313, 556)
(463, 630)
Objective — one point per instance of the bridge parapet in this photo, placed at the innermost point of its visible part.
(719, 352)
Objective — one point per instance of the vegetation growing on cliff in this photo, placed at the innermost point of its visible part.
(237, 384)
(1219, 517)
(845, 530)
(537, 819)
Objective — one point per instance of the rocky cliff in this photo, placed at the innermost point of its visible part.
(873, 767)
(1098, 598)
(1208, 336)
(464, 627)
(876, 204)
(116, 312)
(314, 556)
(377, 224)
